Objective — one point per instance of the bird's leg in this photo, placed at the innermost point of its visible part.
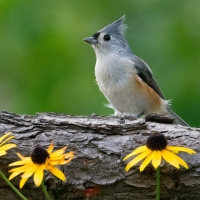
(141, 115)
(122, 118)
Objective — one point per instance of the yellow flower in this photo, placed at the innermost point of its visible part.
(40, 160)
(4, 148)
(155, 149)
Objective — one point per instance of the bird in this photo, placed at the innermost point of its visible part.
(126, 80)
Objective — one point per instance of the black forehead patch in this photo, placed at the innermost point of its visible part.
(96, 35)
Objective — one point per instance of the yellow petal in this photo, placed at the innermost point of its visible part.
(146, 161)
(181, 161)
(50, 149)
(62, 161)
(69, 155)
(2, 153)
(22, 182)
(136, 151)
(4, 136)
(44, 166)
(21, 157)
(176, 152)
(66, 158)
(14, 174)
(38, 176)
(170, 158)
(6, 140)
(21, 168)
(137, 159)
(7, 146)
(58, 152)
(18, 170)
(57, 162)
(56, 172)
(29, 172)
(156, 160)
(57, 157)
(175, 148)
(22, 162)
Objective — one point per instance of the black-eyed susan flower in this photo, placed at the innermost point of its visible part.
(155, 149)
(41, 159)
(4, 147)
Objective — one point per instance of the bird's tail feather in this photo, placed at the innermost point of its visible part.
(178, 120)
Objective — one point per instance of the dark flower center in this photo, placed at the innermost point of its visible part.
(156, 141)
(39, 155)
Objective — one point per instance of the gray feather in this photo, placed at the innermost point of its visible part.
(116, 27)
(145, 74)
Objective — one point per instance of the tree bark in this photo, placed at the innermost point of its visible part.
(100, 143)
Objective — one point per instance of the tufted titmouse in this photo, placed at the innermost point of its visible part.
(125, 79)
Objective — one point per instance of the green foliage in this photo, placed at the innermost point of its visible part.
(46, 66)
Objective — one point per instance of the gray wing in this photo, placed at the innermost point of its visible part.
(145, 74)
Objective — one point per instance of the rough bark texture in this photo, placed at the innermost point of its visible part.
(100, 144)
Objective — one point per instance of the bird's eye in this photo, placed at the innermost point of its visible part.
(106, 37)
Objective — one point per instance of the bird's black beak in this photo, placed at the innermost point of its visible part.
(90, 40)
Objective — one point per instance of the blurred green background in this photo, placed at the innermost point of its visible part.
(46, 66)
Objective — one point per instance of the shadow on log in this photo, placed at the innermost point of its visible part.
(100, 144)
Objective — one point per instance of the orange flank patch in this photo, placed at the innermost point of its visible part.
(154, 100)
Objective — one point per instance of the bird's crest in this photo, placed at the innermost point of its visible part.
(116, 27)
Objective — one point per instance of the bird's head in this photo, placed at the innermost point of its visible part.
(110, 39)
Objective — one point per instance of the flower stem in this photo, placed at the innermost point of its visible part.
(158, 183)
(12, 186)
(45, 191)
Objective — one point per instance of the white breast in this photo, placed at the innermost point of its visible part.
(115, 80)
